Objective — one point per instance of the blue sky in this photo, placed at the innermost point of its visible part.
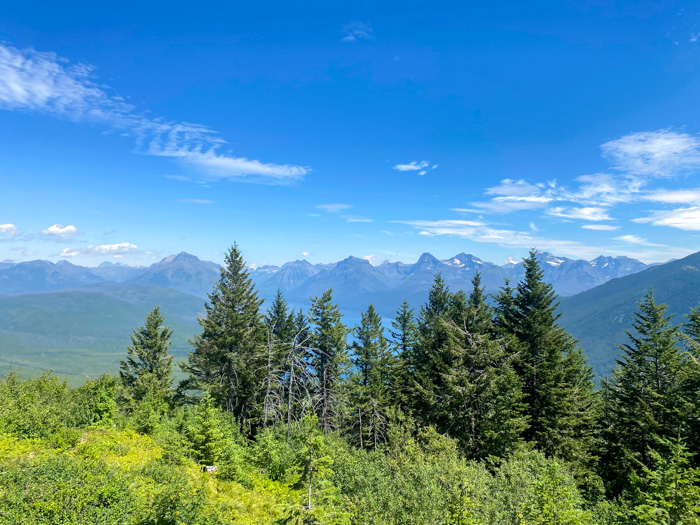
(324, 129)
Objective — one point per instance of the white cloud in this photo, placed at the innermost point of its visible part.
(662, 153)
(602, 189)
(71, 252)
(197, 201)
(58, 230)
(514, 188)
(413, 166)
(481, 232)
(46, 83)
(422, 172)
(356, 218)
(688, 196)
(633, 239)
(507, 204)
(372, 258)
(334, 208)
(115, 250)
(305, 254)
(9, 229)
(357, 31)
(589, 213)
(600, 227)
(681, 218)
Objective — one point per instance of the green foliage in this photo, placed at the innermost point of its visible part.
(557, 381)
(372, 381)
(34, 407)
(328, 357)
(227, 356)
(147, 371)
(650, 397)
(671, 494)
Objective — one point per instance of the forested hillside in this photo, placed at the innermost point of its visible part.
(464, 412)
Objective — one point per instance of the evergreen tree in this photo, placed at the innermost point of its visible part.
(372, 380)
(147, 371)
(404, 336)
(647, 398)
(557, 381)
(433, 337)
(480, 315)
(482, 401)
(328, 356)
(228, 360)
(280, 336)
(299, 380)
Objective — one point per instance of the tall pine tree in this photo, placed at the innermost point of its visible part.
(147, 371)
(557, 381)
(404, 336)
(648, 398)
(372, 380)
(228, 357)
(328, 357)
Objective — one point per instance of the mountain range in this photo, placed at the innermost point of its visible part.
(355, 281)
(77, 319)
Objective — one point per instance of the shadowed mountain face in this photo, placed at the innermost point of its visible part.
(599, 317)
(182, 272)
(43, 276)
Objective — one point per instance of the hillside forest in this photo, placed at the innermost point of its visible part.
(468, 410)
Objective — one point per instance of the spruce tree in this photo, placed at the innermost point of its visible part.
(480, 315)
(647, 398)
(147, 370)
(280, 334)
(372, 380)
(557, 381)
(228, 357)
(404, 335)
(433, 337)
(328, 356)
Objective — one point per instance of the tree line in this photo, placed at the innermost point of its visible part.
(497, 376)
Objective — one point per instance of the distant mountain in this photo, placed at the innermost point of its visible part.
(84, 332)
(288, 277)
(599, 317)
(356, 283)
(43, 276)
(117, 272)
(182, 272)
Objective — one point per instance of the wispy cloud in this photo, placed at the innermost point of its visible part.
(600, 227)
(197, 201)
(334, 208)
(687, 196)
(103, 249)
(58, 230)
(47, 83)
(681, 218)
(634, 239)
(356, 218)
(9, 230)
(661, 153)
(589, 213)
(355, 31)
(415, 165)
(481, 232)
